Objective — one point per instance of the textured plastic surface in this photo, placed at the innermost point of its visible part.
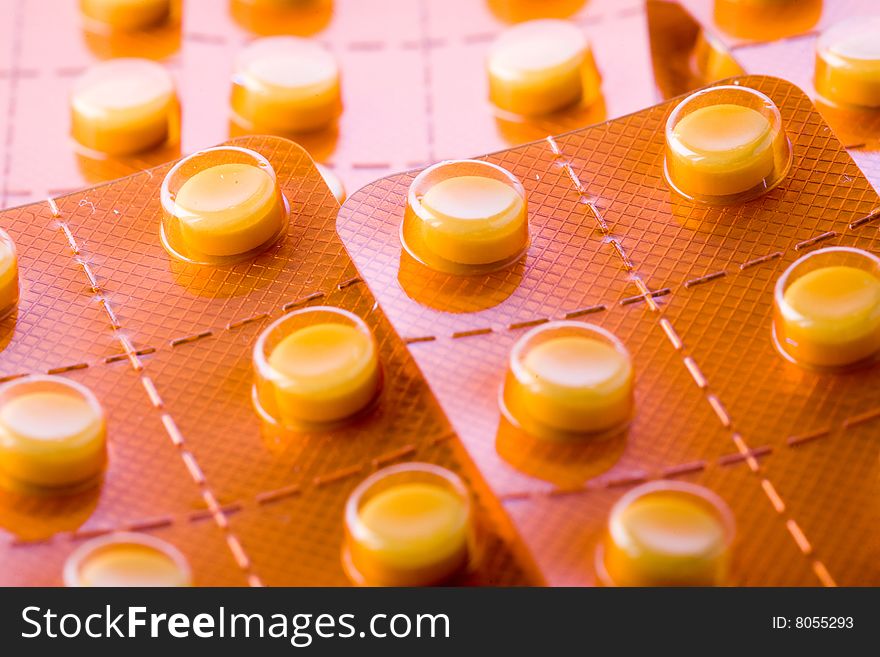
(827, 470)
(166, 347)
(688, 289)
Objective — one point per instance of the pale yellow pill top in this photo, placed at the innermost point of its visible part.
(127, 14)
(8, 274)
(127, 560)
(726, 150)
(575, 362)
(831, 316)
(848, 62)
(52, 433)
(575, 382)
(408, 525)
(724, 132)
(416, 524)
(285, 84)
(123, 106)
(836, 296)
(472, 204)
(671, 526)
(541, 66)
(326, 372)
(862, 45)
(569, 377)
(322, 357)
(466, 214)
(229, 209)
(668, 535)
(48, 416)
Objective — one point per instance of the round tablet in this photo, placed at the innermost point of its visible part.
(285, 84)
(127, 15)
(316, 366)
(8, 275)
(516, 11)
(848, 62)
(465, 216)
(220, 204)
(766, 20)
(123, 106)
(541, 66)
(127, 560)
(269, 17)
(827, 308)
(568, 379)
(408, 525)
(725, 144)
(52, 433)
(667, 534)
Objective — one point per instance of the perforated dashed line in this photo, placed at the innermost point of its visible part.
(16, 22)
(645, 295)
(176, 342)
(671, 334)
(133, 355)
(773, 496)
(67, 368)
(874, 215)
(700, 380)
(219, 513)
(793, 441)
(356, 45)
(815, 240)
(708, 278)
(155, 399)
(745, 454)
(695, 372)
(585, 311)
(425, 46)
(760, 260)
(861, 418)
(749, 456)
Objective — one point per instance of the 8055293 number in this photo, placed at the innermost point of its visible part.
(823, 622)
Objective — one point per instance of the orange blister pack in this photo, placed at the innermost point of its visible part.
(688, 289)
(166, 347)
(781, 39)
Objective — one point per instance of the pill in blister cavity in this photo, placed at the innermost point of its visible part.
(314, 368)
(301, 17)
(666, 534)
(568, 379)
(126, 560)
(124, 106)
(333, 182)
(52, 434)
(126, 14)
(542, 66)
(827, 309)
(515, 11)
(222, 205)
(8, 275)
(766, 20)
(408, 525)
(726, 145)
(848, 62)
(285, 84)
(465, 217)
